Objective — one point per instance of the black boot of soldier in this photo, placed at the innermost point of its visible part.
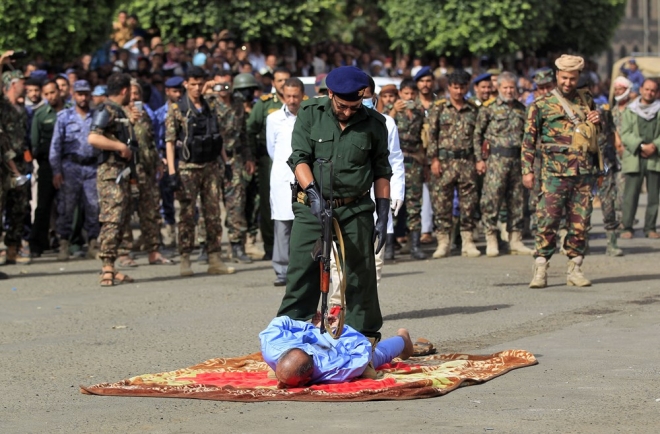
(238, 254)
(416, 247)
(389, 247)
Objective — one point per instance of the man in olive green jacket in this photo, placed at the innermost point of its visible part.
(640, 134)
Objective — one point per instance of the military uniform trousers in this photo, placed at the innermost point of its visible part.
(78, 190)
(205, 181)
(147, 208)
(569, 197)
(459, 174)
(234, 196)
(502, 186)
(114, 209)
(608, 192)
(631, 193)
(16, 205)
(414, 193)
(303, 293)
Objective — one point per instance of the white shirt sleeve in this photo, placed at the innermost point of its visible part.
(271, 134)
(398, 180)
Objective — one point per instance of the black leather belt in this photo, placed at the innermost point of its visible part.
(463, 154)
(83, 161)
(506, 152)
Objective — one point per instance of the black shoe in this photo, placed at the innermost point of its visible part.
(268, 256)
(238, 254)
(415, 246)
(279, 283)
(3, 276)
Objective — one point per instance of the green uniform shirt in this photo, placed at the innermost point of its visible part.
(256, 124)
(43, 125)
(359, 152)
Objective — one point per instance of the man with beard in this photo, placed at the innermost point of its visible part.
(640, 134)
(43, 125)
(256, 131)
(567, 173)
(74, 166)
(501, 124)
(112, 132)
(340, 129)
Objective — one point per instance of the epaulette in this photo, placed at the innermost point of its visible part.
(440, 101)
(472, 103)
(312, 102)
(605, 106)
(175, 106)
(267, 97)
(305, 97)
(489, 101)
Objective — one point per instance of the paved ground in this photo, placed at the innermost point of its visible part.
(598, 348)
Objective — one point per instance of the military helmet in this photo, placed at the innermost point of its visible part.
(245, 81)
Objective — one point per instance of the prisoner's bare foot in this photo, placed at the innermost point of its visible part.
(408, 347)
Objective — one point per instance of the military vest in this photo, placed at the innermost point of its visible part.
(200, 137)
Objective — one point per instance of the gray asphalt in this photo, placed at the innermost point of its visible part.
(598, 348)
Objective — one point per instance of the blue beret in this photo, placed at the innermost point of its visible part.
(482, 77)
(81, 86)
(348, 82)
(100, 90)
(39, 74)
(174, 82)
(425, 71)
(70, 71)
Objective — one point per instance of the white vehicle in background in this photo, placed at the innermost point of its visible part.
(380, 82)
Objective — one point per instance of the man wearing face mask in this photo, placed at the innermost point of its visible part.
(340, 129)
(237, 157)
(501, 124)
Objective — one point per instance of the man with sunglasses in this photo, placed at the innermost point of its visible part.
(338, 128)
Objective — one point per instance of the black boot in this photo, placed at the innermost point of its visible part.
(389, 247)
(238, 254)
(415, 247)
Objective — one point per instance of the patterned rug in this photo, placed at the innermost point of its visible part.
(250, 379)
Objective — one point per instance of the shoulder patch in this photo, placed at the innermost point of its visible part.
(266, 97)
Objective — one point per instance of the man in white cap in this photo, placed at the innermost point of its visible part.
(568, 170)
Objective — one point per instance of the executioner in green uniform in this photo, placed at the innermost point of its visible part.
(338, 128)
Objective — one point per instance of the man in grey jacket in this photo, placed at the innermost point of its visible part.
(640, 134)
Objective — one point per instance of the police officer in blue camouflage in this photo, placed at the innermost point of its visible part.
(74, 165)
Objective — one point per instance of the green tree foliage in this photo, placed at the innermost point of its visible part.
(501, 26)
(57, 29)
(305, 21)
(584, 26)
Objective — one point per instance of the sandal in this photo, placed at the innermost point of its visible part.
(105, 280)
(161, 260)
(423, 347)
(126, 262)
(627, 235)
(123, 278)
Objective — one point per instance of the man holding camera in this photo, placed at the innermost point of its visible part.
(192, 131)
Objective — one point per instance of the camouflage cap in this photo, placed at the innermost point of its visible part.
(9, 76)
(544, 76)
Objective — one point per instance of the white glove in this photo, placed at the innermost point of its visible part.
(396, 205)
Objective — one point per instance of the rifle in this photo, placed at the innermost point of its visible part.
(134, 169)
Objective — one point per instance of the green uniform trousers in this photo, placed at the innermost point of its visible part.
(632, 189)
(303, 293)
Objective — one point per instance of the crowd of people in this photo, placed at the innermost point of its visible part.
(140, 123)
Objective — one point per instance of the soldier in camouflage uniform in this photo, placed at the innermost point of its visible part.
(567, 171)
(16, 198)
(500, 125)
(451, 150)
(148, 168)
(192, 130)
(111, 131)
(545, 83)
(256, 132)
(237, 158)
(409, 118)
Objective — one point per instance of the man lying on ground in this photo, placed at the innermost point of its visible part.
(300, 355)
